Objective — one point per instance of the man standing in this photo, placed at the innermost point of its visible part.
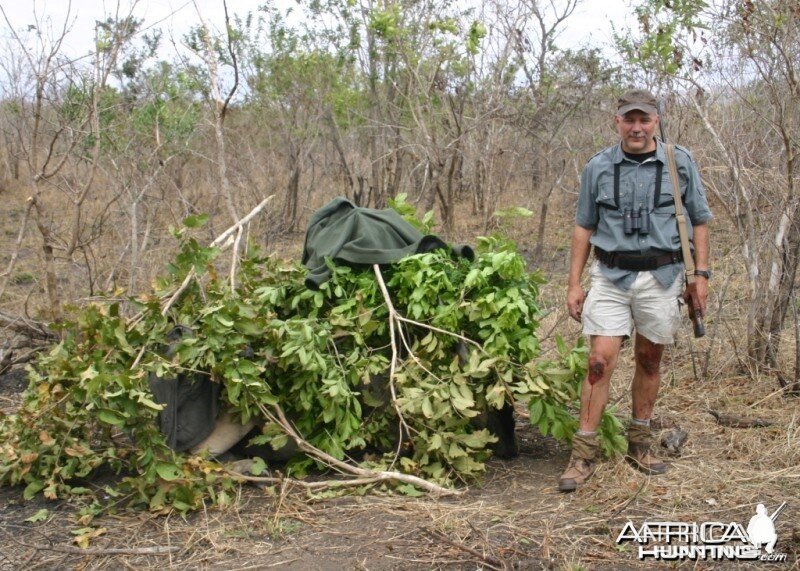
(626, 210)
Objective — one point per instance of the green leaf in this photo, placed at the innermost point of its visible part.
(409, 490)
(111, 417)
(535, 410)
(560, 345)
(149, 403)
(195, 220)
(167, 471)
(32, 489)
(257, 467)
(279, 441)
(41, 515)
(427, 408)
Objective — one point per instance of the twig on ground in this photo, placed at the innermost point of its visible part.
(770, 395)
(308, 485)
(733, 421)
(629, 500)
(27, 327)
(488, 560)
(278, 417)
(155, 550)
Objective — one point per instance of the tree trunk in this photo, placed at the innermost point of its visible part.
(292, 193)
(51, 283)
(449, 198)
(134, 247)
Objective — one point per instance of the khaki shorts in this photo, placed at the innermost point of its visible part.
(653, 310)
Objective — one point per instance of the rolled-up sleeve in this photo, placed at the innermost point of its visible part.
(586, 213)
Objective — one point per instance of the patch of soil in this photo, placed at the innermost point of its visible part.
(486, 526)
(14, 381)
(12, 384)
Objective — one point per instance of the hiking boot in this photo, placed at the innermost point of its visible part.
(585, 451)
(638, 454)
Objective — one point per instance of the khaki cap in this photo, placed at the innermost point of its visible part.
(637, 99)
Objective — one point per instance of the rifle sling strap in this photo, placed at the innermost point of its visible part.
(680, 216)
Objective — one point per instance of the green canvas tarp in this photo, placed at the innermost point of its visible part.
(346, 233)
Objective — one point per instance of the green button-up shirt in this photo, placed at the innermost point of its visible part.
(597, 209)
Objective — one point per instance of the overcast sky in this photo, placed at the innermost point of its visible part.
(589, 25)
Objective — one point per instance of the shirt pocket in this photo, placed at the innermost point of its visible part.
(664, 203)
(605, 197)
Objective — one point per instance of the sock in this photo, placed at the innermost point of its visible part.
(586, 432)
(638, 422)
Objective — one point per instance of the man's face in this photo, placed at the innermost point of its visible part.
(636, 131)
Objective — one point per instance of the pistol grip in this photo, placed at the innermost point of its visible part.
(699, 327)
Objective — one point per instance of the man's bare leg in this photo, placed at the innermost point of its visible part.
(594, 396)
(646, 381)
(603, 355)
(646, 378)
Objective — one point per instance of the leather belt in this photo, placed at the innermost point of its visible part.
(638, 260)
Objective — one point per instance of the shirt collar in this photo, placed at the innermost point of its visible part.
(618, 155)
(661, 154)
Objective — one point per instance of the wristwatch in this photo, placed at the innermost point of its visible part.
(703, 273)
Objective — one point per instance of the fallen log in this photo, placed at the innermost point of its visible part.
(733, 421)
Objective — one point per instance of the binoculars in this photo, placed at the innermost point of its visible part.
(636, 221)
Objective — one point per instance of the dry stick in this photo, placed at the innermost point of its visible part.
(395, 316)
(27, 327)
(25, 358)
(734, 421)
(279, 506)
(561, 318)
(393, 362)
(413, 356)
(157, 550)
(399, 317)
(732, 336)
(796, 343)
(301, 483)
(488, 560)
(235, 258)
(393, 313)
(770, 395)
(629, 500)
(221, 241)
(17, 246)
(713, 332)
(418, 323)
(280, 418)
